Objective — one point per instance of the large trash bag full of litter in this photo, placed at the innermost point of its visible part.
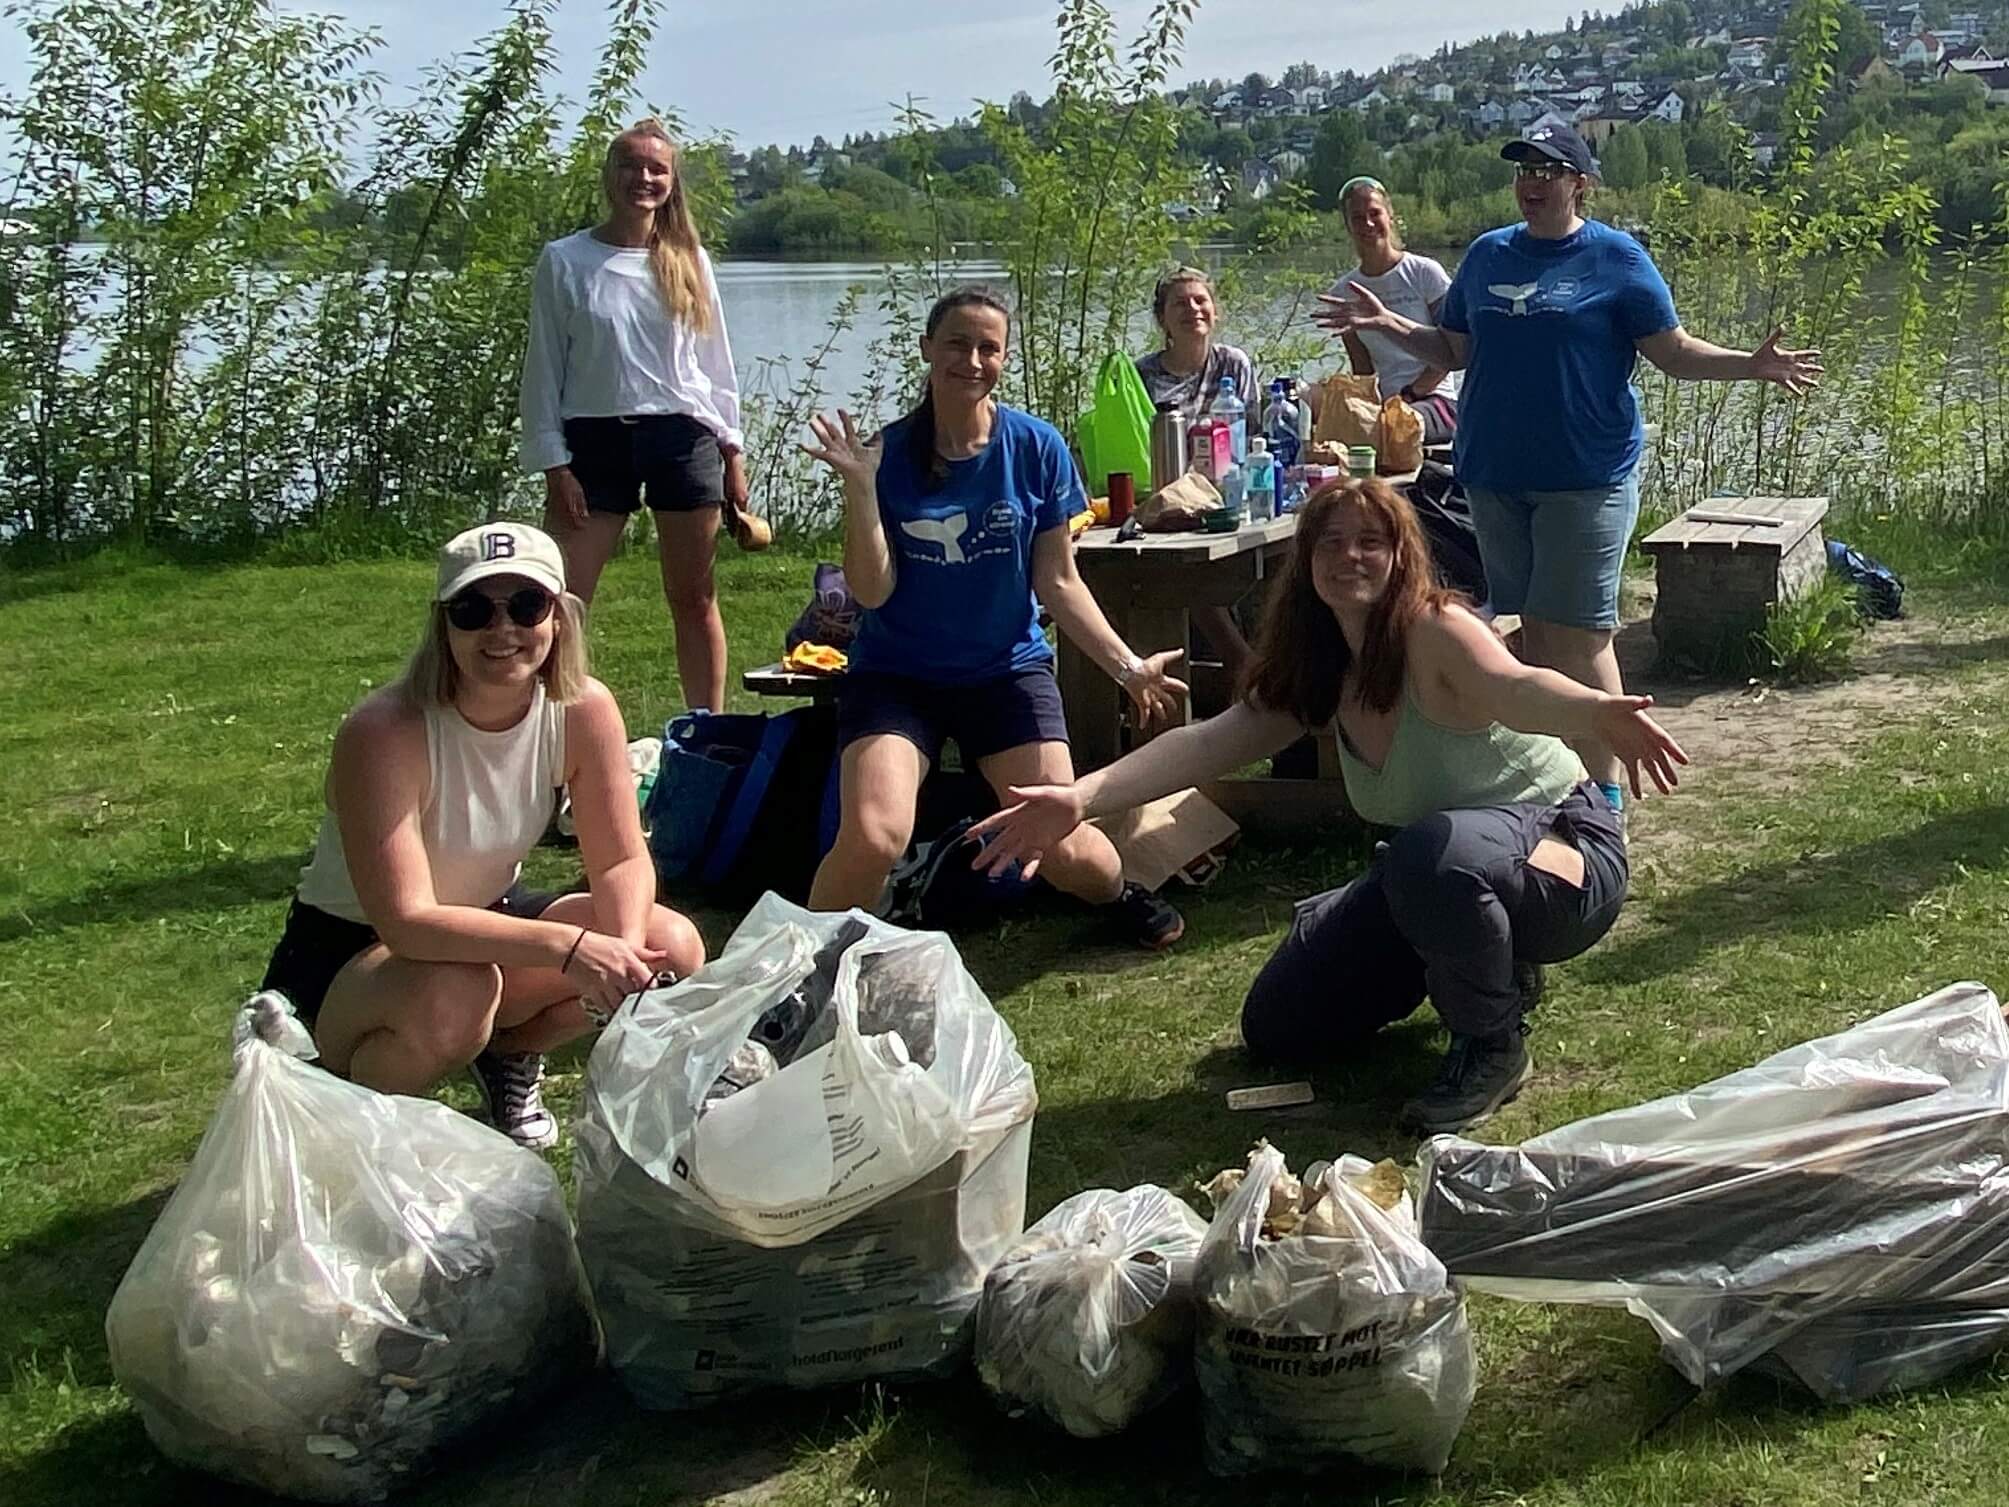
(796, 1166)
(1327, 1331)
(344, 1283)
(1838, 1213)
(1088, 1320)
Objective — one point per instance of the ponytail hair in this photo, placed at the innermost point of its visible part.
(930, 470)
(674, 248)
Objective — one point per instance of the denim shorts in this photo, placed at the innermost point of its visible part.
(1556, 556)
(986, 718)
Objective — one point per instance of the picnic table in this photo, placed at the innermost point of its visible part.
(1148, 587)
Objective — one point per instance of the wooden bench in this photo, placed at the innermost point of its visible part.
(1722, 565)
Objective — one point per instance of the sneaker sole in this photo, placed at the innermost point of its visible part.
(1159, 944)
(1417, 1125)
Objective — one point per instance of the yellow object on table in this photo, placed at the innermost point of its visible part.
(814, 659)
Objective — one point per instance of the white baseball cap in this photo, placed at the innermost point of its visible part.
(500, 549)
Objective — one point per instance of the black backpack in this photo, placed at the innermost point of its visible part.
(1446, 518)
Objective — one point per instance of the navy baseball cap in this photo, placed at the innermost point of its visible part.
(1553, 143)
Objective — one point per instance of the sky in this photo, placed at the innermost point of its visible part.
(786, 71)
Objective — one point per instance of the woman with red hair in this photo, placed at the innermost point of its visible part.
(1503, 855)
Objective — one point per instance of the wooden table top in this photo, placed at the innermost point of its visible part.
(1189, 547)
(1711, 523)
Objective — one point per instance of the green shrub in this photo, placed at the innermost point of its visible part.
(1813, 636)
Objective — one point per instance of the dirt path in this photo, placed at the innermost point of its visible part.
(1757, 732)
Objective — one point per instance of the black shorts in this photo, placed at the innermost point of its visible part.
(315, 946)
(672, 456)
(985, 718)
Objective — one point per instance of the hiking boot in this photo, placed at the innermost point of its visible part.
(1480, 1074)
(511, 1094)
(749, 531)
(1145, 919)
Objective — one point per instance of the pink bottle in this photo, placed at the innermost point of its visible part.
(1211, 444)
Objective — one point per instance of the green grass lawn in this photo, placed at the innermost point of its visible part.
(165, 732)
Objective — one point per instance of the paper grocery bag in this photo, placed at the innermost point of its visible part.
(1350, 410)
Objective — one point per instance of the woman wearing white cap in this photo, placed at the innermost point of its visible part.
(411, 949)
(1546, 319)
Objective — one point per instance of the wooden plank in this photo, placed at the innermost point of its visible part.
(1772, 523)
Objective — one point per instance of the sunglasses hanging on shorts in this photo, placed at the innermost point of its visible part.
(1548, 170)
(472, 610)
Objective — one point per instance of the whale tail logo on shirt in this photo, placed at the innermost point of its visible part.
(1519, 293)
(947, 532)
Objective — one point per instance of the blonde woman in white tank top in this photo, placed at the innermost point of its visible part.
(410, 948)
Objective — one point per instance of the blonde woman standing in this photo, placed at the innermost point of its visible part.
(629, 395)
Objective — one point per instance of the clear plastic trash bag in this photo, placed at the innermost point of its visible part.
(344, 1282)
(1088, 1320)
(823, 1210)
(1315, 1347)
(1838, 1213)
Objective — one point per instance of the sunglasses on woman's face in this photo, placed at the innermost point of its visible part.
(1549, 170)
(472, 610)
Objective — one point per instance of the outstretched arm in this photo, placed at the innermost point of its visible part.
(1464, 658)
(1684, 357)
(1358, 309)
(1042, 815)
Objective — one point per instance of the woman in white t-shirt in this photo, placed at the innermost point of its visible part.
(629, 395)
(1414, 285)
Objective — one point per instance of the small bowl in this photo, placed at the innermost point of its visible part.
(1220, 521)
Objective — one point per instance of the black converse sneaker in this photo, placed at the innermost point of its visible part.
(511, 1093)
(1480, 1073)
(1143, 918)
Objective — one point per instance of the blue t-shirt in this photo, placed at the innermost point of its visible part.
(962, 608)
(1548, 403)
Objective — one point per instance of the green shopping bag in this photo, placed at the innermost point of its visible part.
(1116, 433)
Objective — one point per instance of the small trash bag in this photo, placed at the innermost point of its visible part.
(1088, 1320)
(344, 1283)
(824, 1208)
(1879, 589)
(1327, 1331)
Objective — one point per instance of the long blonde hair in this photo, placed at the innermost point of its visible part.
(433, 679)
(674, 247)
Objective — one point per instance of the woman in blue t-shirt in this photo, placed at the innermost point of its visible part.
(955, 518)
(1546, 319)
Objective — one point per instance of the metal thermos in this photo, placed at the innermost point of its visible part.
(1168, 446)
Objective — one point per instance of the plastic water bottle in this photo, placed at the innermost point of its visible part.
(1280, 426)
(1262, 486)
(1234, 490)
(1230, 410)
(1303, 417)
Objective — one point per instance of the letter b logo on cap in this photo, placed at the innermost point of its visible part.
(498, 546)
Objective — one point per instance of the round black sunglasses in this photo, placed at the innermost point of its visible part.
(471, 611)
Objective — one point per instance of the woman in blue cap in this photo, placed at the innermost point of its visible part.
(1546, 319)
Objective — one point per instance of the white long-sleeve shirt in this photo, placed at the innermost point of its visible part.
(603, 345)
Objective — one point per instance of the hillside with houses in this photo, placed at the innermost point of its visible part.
(1688, 89)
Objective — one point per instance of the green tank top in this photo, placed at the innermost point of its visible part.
(1431, 767)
